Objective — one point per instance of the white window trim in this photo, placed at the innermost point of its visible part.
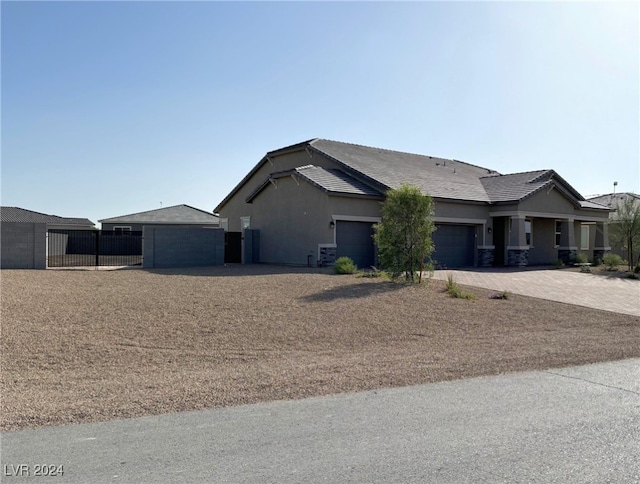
(242, 220)
(584, 226)
(556, 233)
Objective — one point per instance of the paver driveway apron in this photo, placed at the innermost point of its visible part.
(608, 293)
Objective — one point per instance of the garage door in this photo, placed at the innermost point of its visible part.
(355, 240)
(455, 246)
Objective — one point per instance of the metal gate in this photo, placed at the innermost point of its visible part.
(72, 248)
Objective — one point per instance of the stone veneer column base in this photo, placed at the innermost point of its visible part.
(568, 256)
(485, 257)
(517, 257)
(599, 254)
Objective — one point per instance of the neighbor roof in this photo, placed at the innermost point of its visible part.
(611, 200)
(177, 214)
(16, 214)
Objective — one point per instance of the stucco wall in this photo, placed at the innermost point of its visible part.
(543, 250)
(23, 245)
(236, 207)
(182, 247)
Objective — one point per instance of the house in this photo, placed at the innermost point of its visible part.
(612, 200)
(312, 202)
(178, 215)
(24, 236)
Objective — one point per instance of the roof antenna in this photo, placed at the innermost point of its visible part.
(615, 184)
(160, 204)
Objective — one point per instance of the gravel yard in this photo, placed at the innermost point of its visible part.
(81, 346)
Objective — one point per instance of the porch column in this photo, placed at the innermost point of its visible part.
(601, 245)
(517, 250)
(568, 250)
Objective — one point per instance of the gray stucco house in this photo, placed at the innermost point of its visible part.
(317, 200)
(175, 216)
(24, 236)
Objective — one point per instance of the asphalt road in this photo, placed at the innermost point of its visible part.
(579, 424)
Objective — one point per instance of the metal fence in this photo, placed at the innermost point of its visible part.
(71, 248)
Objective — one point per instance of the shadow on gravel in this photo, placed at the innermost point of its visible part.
(353, 291)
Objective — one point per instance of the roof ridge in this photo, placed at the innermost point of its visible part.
(518, 173)
(311, 142)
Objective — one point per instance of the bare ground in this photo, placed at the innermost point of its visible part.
(82, 346)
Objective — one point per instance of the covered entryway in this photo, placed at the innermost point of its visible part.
(355, 240)
(455, 246)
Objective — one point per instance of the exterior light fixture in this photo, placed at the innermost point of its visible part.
(332, 224)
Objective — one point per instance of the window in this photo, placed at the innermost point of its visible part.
(224, 224)
(527, 232)
(584, 237)
(558, 232)
(245, 223)
(122, 230)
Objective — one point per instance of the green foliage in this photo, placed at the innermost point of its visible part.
(586, 269)
(625, 230)
(596, 262)
(455, 291)
(559, 264)
(633, 275)
(500, 295)
(582, 258)
(403, 237)
(636, 270)
(612, 261)
(344, 265)
(374, 273)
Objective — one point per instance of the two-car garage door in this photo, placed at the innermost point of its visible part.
(454, 244)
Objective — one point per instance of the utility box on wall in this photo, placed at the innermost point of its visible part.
(165, 247)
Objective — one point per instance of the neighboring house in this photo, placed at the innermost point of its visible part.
(611, 200)
(24, 236)
(178, 215)
(317, 200)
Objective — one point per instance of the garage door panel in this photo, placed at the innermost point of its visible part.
(454, 246)
(355, 240)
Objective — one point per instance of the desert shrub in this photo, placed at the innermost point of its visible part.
(636, 270)
(374, 273)
(559, 264)
(344, 265)
(455, 291)
(612, 261)
(633, 275)
(596, 262)
(586, 269)
(582, 258)
(500, 295)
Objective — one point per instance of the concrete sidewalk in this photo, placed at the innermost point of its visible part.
(608, 293)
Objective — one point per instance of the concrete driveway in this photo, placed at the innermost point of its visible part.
(599, 292)
(579, 424)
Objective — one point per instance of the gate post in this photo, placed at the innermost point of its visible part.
(97, 234)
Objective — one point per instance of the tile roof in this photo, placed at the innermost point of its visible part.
(177, 214)
(336, 181)
(439, 177)
(369, 170)
(16, 214)
(515, 186)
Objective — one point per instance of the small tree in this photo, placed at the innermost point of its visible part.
(625, 230)
(403, 237)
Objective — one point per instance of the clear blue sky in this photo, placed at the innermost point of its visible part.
(112, 108)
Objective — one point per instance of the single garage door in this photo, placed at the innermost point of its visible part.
(455, 246)
(355, 240)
